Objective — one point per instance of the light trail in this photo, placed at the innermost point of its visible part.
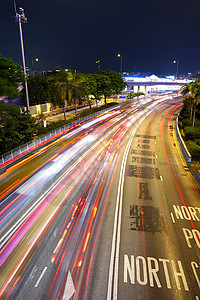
(77, 179)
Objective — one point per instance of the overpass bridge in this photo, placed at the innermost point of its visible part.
(153, 83)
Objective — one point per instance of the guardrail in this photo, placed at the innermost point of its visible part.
(10, 156)
(197, 177)
(184, 149)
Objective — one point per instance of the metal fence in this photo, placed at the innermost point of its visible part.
(7, 157)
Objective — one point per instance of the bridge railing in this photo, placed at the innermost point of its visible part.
(10, 156)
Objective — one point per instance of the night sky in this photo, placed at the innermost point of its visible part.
(75, 33)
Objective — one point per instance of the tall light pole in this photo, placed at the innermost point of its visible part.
(177, 63)
(20, 17)
(119, 55)
(33, 65)
(98, 66)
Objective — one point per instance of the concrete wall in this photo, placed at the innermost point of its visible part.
(41, 108)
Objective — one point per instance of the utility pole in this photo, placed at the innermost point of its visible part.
(19, 18)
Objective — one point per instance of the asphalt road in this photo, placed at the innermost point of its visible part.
(156, 237)
(108, 210)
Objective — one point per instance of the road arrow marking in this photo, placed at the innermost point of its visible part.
(69, 288)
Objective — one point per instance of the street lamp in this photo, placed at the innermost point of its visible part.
(20, 17)
(119, 55)
(33, 65)
(177, 63)
(98, 64)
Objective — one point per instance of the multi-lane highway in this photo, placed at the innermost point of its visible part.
(108, 210)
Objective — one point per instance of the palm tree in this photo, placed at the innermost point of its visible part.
(62, 85)
(191, 91)
(78, 87)
(196, 101)
(187, 93)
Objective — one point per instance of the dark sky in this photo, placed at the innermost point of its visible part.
(73, 34)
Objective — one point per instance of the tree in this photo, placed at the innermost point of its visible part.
(191, 91)
(16, 129)
(196, 97)
(38, 88)
(93, 86)
(11, 76)
(78, 85)
(107, 83)
(62, 84)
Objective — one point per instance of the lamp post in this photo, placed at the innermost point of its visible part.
(98, 66)
(20, 17)
(33, 65)
(119, 55)
(177, 63)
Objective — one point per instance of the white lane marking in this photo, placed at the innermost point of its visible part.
(156, 156)
(116, 233)
(161, 178)
(172, 216)
(54, 251)
(155, 143)
(69, 288)
(36, 285)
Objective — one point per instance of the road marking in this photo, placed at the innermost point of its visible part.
(117, 225)
(195, 266)
(155, 142)
(69, 288)
(36, 285)
(147, 271)
(187, 212)
(116, 232)
(172, 216)
(161, 178)
(54, 251)
(192, 234)
(156, 156)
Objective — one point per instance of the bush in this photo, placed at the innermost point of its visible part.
(195, 149)
(54, 125)
(191, 133)
(186, 122)
(180, 124)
